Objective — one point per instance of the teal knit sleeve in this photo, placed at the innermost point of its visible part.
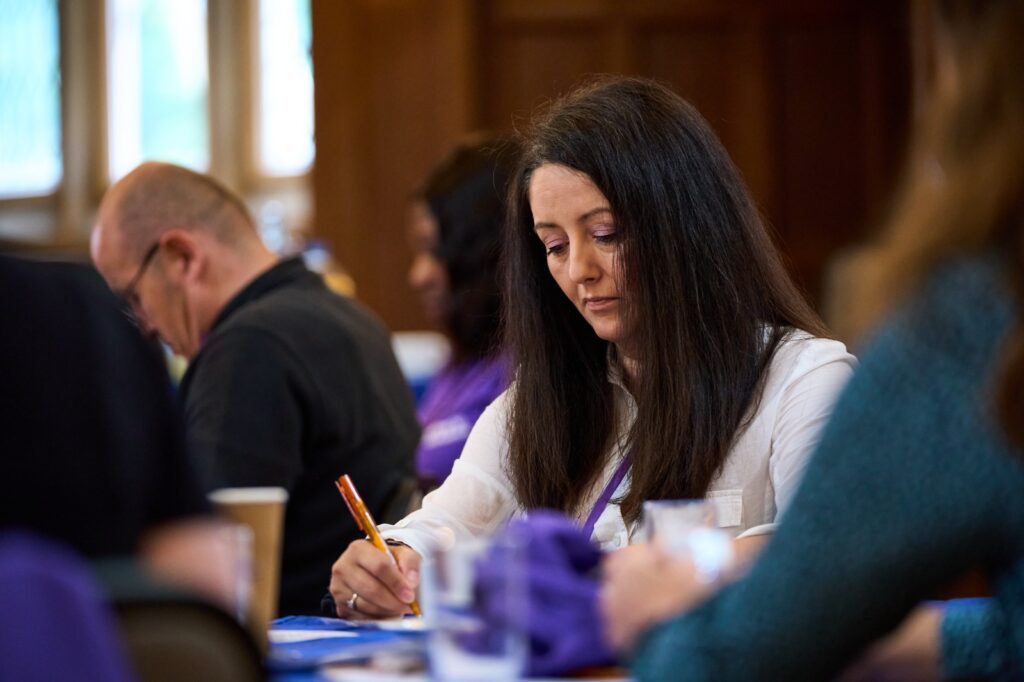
(909, 488)
(662, 651)
(974, 635)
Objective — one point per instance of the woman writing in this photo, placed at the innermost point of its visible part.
(658, 347)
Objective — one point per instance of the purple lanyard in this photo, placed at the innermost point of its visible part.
(602, 502)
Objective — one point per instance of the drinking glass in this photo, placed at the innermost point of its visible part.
(687, 529)
(473, 598)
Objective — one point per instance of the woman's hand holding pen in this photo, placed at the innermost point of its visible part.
(366, 584)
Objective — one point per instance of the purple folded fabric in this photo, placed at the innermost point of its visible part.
(560, 612)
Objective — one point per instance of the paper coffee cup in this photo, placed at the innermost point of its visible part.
(262, 510)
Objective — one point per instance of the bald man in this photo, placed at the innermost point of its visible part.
(288, 383)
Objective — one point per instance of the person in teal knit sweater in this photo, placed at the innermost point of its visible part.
(920, 474)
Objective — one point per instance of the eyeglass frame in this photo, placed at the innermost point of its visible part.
(128, 292)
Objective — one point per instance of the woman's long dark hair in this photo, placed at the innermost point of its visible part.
(707, 299)
(465, 194)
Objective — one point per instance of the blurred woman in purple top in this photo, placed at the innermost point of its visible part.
(455, 228)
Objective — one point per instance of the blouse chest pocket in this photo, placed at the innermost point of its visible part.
(728, 506)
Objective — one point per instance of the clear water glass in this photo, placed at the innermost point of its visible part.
(688, 529)
(473, 599)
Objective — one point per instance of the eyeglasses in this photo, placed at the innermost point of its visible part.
(128, 293)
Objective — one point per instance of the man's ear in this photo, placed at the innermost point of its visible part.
(184, 253)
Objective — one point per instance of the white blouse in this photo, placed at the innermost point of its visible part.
(755, 484)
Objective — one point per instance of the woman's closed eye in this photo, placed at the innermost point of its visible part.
(555, 248)
(554, 239)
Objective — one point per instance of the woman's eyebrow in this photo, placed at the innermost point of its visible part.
(592, 212)
(583, 218)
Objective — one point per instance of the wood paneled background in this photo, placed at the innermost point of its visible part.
(811, 97)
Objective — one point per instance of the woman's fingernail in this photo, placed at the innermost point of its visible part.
(413, 577)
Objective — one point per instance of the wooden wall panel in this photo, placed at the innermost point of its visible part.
(392, 96)
(820, 201)
(528, 68)
(719, 68)
(811, 98)
(838, 140)
(696, 62)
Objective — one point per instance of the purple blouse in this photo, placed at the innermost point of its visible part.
(448, 410)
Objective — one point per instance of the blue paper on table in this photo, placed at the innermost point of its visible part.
(369, 639)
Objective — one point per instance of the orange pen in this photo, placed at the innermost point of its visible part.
(365, 521)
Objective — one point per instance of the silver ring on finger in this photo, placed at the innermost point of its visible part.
(351, 603)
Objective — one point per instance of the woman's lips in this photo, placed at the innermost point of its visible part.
(599, 303)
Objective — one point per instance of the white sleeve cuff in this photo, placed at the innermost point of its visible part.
(763, 529)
